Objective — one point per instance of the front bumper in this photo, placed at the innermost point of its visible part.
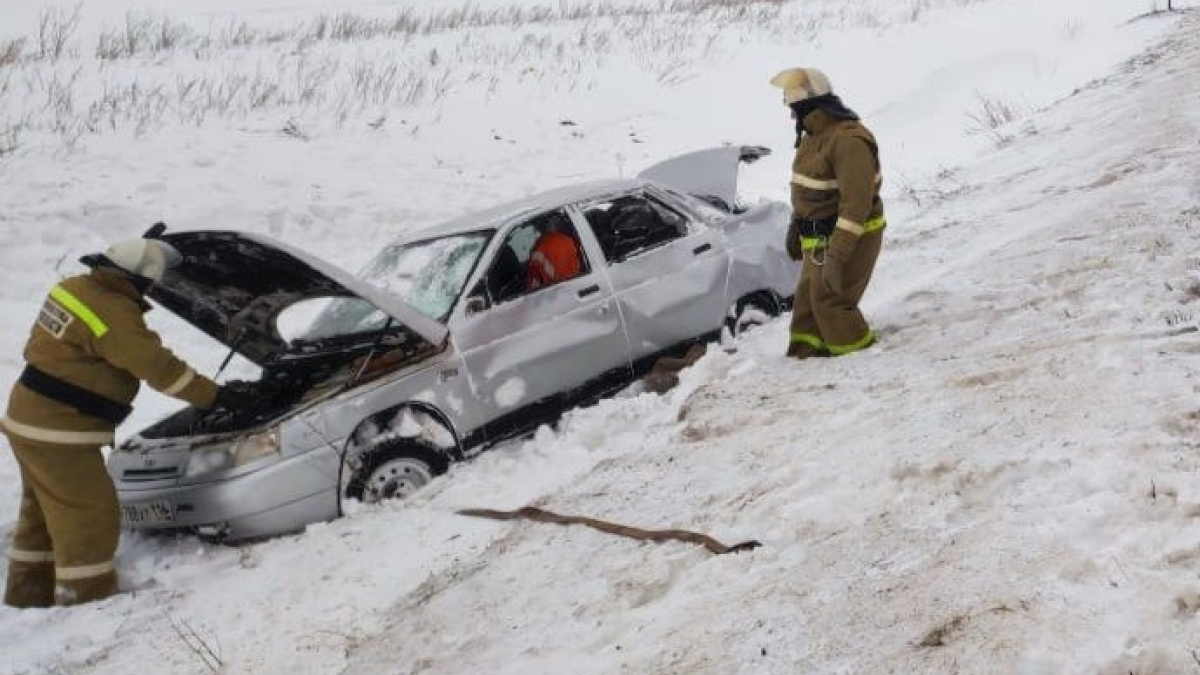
(281, 497)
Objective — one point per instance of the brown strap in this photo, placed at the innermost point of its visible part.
(544, 516)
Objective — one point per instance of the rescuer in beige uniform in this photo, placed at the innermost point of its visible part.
(837, 217)
(86, 354)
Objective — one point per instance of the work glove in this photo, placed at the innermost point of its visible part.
(792, 243)
(236, 395)
(841, 246)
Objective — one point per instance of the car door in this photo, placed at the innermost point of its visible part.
(668, 272)
(531, 351)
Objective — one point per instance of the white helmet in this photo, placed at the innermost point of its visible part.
(148, 258)
(799, 84)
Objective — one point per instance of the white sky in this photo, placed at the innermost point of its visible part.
(1014, 462)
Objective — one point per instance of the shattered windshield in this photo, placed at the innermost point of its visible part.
(430, 274)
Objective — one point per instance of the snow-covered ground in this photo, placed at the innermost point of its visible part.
(1007, 483)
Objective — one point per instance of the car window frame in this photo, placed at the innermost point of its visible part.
(656, 201)
(505, 233)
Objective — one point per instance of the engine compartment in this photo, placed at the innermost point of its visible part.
(310, 371)
(276, 394)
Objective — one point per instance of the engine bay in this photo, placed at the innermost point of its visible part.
(310, 371)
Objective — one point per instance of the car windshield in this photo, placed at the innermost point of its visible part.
(429, 274)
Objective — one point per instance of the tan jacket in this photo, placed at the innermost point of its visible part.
(836, 173)
(91, 333)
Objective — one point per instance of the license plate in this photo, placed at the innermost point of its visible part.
(148, 513)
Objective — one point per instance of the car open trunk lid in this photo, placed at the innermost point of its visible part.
(710, 174)
(233, 285)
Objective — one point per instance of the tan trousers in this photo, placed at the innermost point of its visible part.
(68, 527)
(823, 323)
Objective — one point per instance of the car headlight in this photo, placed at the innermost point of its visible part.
(224, 457)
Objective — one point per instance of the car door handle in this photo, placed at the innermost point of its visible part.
(701, 249)
(584, 292)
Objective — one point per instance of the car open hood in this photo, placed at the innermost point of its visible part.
(232, 286)
(709, 174)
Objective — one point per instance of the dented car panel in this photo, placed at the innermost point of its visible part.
(443, 340)
(757, 257)
(531, 348)
(671, 291)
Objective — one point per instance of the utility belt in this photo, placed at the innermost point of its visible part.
(814, 234)
(87, 402)
(813, 229)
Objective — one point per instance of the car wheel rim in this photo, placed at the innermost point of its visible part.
(396, 478)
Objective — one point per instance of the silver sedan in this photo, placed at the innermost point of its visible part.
(372, 385)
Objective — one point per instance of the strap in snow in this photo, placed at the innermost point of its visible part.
(544, 516)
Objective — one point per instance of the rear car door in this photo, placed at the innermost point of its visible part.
(532, 351)
(668, 271)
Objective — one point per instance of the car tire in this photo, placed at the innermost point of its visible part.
(749, 311)
(395, 469)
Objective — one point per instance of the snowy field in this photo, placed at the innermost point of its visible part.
(1006, 484)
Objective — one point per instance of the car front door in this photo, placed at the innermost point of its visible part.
(668, 272)
(529, 351)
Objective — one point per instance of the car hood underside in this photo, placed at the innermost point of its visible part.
(233, 285)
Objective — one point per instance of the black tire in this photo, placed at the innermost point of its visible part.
(394, 469)
(743, 318)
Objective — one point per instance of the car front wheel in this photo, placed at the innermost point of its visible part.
(395, 469)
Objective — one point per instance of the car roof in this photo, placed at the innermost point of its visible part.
(496, 216)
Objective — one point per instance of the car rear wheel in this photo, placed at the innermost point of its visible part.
(751, 311)
(395, 469)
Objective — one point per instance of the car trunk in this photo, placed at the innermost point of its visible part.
(710, 174)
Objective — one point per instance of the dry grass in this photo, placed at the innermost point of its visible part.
(11, 51)
(9, 140)
(148, 71)
(992, 117)
(56, 32)
(992, 113)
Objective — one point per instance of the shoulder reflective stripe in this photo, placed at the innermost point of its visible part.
(849, 226)
(57, 436)
(813, 243)
(876, 223)
(808, 339)
(188, 375)
(813, 183)
(861, 343)
(17, 555)
(84, 571)
(76, 307)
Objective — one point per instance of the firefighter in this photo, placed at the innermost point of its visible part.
(87, 353)
(555, 257)
(837, 217)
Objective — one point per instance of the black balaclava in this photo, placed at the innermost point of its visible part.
(830, 103)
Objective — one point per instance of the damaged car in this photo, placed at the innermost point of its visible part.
(372, 385)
